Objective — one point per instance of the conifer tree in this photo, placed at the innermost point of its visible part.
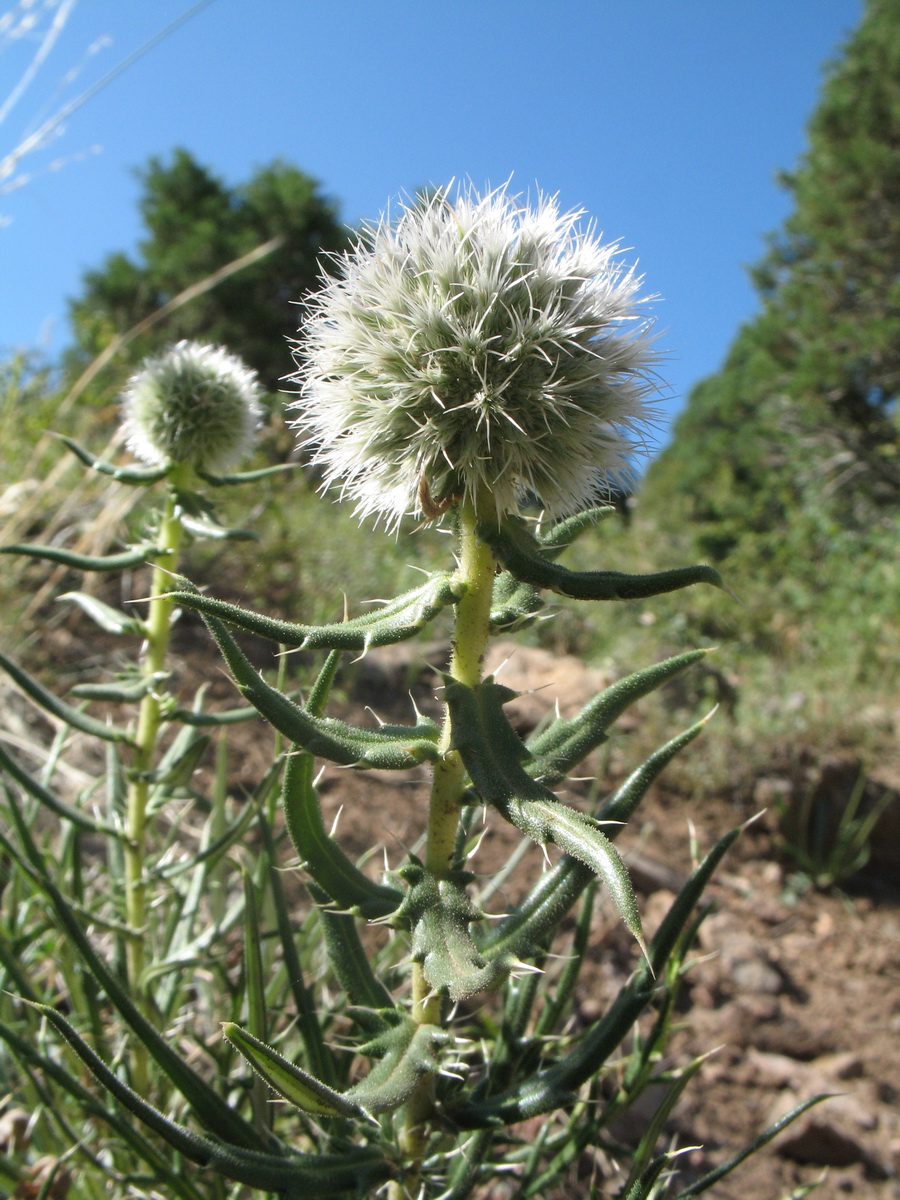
(195, 225)
(801, 423)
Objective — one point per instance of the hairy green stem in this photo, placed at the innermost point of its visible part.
(153, 658)
(476, 571)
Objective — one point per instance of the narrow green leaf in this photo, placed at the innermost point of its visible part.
(85, 562)
(326, 862)
(206, 527)
(704, 1184)
(117, 693)
(567, 741)
(641, 1188)
(561, 535)
(253, 964)
(290, 1082)
(559, 1005)
(201, 720)
(51, 802)
(364, 991)
(156, 1162)
(58, 708)
(522, 555)
(109, 619)
(538, 915)
(133, 475)
(320, 1056)
(321, 1174)
(177, 770)
(246, 476)
(625, 800)
(210, 1108)
(492, 753)
(395, 621)
(653, 1130)
(391, 748)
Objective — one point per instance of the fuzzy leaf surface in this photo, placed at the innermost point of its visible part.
(523, 557)
(321, 855)
(439, 912)
(400, 619)
(289, 1081)
(390, 748)
(492, 753)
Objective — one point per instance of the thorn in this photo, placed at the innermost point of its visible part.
(522, 968)
(368, 709)
(334, 823)
(477, 846)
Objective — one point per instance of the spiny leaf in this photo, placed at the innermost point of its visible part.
(332, 870)
(624, 801)
(492, 753)
(561, 535)
(396, 621)
(407, 1052)
(513, 604)
(439, 913)
(389, 748)
(522, 555)
(557, 890)
(292, 1083)
(567, 741)
(58, 708)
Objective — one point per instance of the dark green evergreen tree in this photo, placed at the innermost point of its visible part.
(195, 225)
(796, 438)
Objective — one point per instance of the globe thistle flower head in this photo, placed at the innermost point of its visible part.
(195, 404)
(477, 348)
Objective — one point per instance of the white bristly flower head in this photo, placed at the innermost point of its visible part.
(477, 348)
(194, 404)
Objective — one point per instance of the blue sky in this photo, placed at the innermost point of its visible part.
(666, 121)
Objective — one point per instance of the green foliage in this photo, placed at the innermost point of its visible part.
(132, 948)
(195, 225)
(797, 435)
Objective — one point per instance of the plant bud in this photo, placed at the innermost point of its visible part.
(195, 404)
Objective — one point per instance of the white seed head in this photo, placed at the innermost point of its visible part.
(194, 404)
(476, 348)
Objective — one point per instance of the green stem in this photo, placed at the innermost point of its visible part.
(476, 570)
(153, 658)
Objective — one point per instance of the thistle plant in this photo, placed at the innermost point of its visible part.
(477, 362)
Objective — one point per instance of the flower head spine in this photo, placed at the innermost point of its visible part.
(475, 348)
(195, 404)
